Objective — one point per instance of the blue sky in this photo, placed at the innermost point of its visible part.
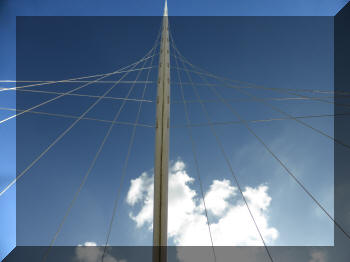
(295, 52)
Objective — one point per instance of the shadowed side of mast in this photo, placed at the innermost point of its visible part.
(160, 209)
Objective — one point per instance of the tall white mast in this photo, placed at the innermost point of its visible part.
(160, 209)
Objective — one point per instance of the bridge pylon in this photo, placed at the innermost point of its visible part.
(160, 208)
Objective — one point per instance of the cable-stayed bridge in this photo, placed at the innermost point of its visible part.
(166, 68)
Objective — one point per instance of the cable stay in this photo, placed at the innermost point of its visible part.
(71, 126)
(41, 83)
(92, 164)
(202, 72)
(245, 99)
(84, 95)
(261, 120)
(73, 81)
(219, 143)
(251, 85)
(22, 88)
(194, 152)
(67, 93)
(125, 166)
(245, 123)
(176, 126)
(262, 101)
(84, 118)
(188, 68)
(290, 91)
(276, 109)
(63, 94)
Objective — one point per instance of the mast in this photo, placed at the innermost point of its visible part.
(160, 208)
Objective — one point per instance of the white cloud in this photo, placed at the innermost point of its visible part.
(231, 223)
(88, 244)
(137, 188)
(216, 198)
(90, 252)
(141, 190)
(258, 197)
(222, 254)
(318, 256)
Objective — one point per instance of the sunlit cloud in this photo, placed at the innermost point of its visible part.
(90, 252)
(231, 223)
(318, 256)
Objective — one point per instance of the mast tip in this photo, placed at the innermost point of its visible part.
(166, 8)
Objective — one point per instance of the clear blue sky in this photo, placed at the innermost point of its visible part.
(295, 52)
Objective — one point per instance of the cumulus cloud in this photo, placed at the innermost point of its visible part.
(230, 220)
(141, 190)
(216, 198)
(318, 256)
(88, 244)
(90, 252)
(222, 254)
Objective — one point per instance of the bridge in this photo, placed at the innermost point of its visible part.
(174, 70)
